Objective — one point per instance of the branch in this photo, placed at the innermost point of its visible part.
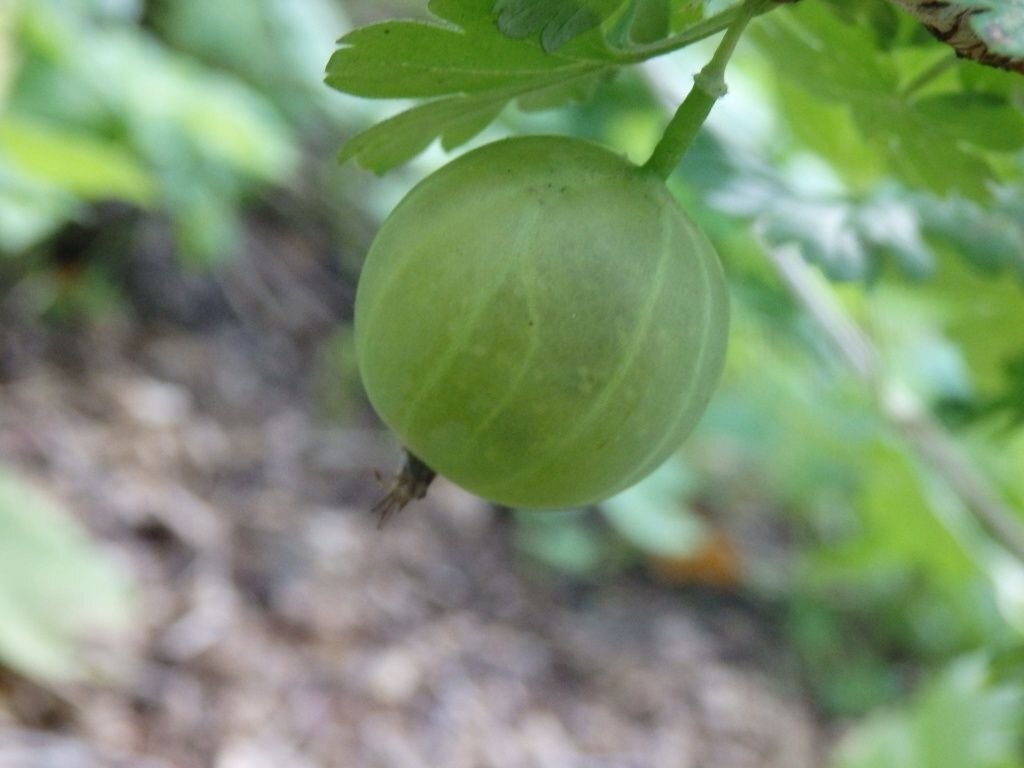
(929, 439)
(950, 22)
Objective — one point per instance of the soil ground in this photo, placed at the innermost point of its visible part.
(277, 626)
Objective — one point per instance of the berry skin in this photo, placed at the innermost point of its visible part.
(540, 322)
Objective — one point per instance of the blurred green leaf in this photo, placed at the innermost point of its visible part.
(7, 50)
(979, 118)
(898, 531)
(564, 541)
(847, 236)
(30, 210)
(924, 142)
(55, 588)
(293, 38)
(653, 515)
(990, 237)
(83, 165)
(103, 110)
(959, 720)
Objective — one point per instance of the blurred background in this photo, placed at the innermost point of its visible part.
(829, 573)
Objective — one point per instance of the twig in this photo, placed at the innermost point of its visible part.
(901, 408)
(931, 441)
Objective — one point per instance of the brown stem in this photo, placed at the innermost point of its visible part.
(410, 484)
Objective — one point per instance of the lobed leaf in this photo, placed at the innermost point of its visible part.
(455, 120)
(407, 59)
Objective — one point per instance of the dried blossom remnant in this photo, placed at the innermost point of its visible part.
(950, 22)
(409, 485)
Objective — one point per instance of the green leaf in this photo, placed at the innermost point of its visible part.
(455, 120)
(979, 118)
(83, 165)
(556, 21)
(651, 22)
(30, 209)
(477, 68)
(653, 515)
(1010, 401)
(394, 141)
(563, 92)
(848, 237)
(960, 720)
(811, 46)
(404, 59)
(7, 49)
(55, 588)
(990, 237)
(1000, 23)
(925, 154)
(808, 44)
(564, 541)
(899, 530)
(411, 59)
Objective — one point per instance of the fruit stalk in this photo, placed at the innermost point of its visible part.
(708, 87)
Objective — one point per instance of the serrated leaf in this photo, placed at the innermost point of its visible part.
(406, 59)
(555, 21)
(413, 59)
(1000, 23)
(455, 120)
(392, 142)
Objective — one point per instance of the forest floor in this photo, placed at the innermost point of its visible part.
(278, 627)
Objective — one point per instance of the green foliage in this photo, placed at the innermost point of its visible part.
(55, 588)
(568, 542)
(557, 21)
(962, 719)
(864, 144)
(85, 166)
(277, 46)
(476, 68)
(903, 125)
(653, 516)
(101, 111)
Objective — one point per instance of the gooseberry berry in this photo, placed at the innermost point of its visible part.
(540, 322)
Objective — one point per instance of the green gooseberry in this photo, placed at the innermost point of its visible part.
(540, 322)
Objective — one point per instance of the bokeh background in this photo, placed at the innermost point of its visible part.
(189, 571)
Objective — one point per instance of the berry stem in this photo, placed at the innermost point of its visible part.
(708, 87)
(409, 485)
